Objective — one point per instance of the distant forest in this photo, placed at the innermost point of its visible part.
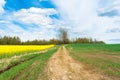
(7, 40)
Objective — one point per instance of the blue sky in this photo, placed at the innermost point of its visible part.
(26, 4)
(41, 19)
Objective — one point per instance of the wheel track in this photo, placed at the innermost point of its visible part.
(62, 66)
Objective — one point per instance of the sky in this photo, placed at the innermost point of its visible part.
(41, 19)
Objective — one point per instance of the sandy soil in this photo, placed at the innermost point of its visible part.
(62, 66)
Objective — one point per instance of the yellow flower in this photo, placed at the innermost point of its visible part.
(9, 49)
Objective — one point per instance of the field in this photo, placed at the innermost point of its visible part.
(104, 58)
(64, 62)
(11, 50)
(22, 59)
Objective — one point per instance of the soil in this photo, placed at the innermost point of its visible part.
(62, 66)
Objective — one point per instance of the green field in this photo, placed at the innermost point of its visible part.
(104, 58)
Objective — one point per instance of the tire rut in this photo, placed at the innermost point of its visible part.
(62, 66)
(15, 64)
(29, 75)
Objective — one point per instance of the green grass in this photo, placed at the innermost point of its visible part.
(8, 55)
(26, 70)
(5, 64)
(102, 57)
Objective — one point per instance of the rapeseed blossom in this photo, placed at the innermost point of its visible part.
(9, 49)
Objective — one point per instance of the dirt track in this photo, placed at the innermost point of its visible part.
(61, 66)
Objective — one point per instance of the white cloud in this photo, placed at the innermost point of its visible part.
(114, 8)
(38, 22)
(2, 3)
(35, 16)
(8, 27)
(82, 17)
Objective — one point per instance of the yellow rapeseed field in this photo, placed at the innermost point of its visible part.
(19, 48)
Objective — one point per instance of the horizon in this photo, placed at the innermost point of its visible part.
(41, 19)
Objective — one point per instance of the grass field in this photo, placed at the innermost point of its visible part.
(105, 58)
(11, 50)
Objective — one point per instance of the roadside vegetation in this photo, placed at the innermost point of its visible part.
(105, 58)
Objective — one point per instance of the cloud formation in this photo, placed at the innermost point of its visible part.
(111, 10)
(2, 3)
(40, 19)
(29, 24)
(84, 19)
(37, 16)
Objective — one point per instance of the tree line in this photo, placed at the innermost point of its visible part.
(7, 40)
(88, 41)
(63, 38)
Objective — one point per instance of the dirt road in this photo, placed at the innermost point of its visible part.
(62, 66)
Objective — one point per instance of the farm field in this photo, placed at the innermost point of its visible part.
(18, 67)
(102, 58)
(65, 62)
(11, 50)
